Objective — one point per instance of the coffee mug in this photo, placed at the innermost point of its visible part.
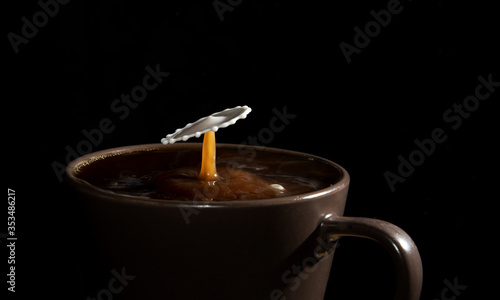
(279, 248)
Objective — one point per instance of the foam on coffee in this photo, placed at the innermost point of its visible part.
(170, 173)
(231, 184)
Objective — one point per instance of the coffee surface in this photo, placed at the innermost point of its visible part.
(244, 174)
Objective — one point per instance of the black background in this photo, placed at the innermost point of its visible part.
(266, 54)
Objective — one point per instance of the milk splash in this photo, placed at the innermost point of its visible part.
(213, 122)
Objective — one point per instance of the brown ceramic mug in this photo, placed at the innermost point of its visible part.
(279, 248)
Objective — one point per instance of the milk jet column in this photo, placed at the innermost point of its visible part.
(208, 170)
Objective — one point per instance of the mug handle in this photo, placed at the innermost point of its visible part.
(398, 243)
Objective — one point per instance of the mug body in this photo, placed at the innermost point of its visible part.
(169, 249)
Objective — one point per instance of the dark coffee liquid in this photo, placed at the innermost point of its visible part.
(244, 174)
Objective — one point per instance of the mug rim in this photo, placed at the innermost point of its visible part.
(82, 185)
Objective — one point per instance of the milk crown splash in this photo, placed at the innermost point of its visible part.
(213, 122)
